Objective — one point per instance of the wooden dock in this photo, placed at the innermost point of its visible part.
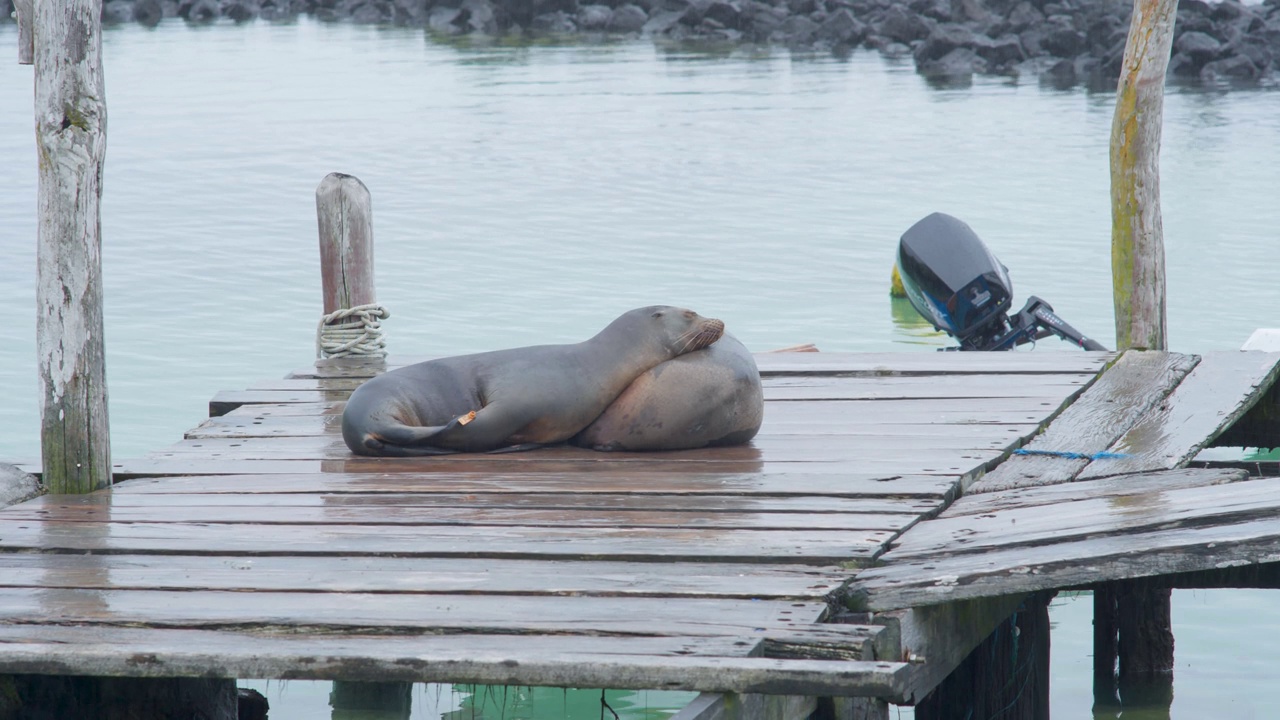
(831, 557)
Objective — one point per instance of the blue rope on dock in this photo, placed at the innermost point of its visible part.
(1073, 455)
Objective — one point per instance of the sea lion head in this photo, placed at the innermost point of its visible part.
(678, 329)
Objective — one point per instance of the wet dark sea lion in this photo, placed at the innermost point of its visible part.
(517, 398)
(709, 397)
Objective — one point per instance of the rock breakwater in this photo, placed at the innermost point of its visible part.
(1064, 42)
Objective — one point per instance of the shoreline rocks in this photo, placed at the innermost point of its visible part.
(1063, 42)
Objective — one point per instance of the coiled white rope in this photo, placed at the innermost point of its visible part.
(353, 331)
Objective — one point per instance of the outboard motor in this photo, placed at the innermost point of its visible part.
(954, 281)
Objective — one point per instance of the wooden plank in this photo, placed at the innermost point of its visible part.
(819, 642)
(1117, 487)
(783, 387)
(1221, 388)
(870, 364)
(872, 421)
(406, 613)
(1089, 517)
(820, 547)
(232, 642)
(939, 410)
(521, 661)
(393, 516)
(641, 481)
(1125, 392)
(779, 388)
(424, 501)
(1083, 562)
(935, 639)
(780, 447)
(457, 576)
(829, 478)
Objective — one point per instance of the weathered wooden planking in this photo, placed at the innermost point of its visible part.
(1089, 517)
(941, 410)
(407, 613)
(831, 478)
(779, 447)
(850, 387)
(781, 419)
(1074, 563)
(779, 388)
(390, 515)
(819, 547)
(907, 457)
(419, 575)
(1137, 382)
(516, 660)
(426, 501)
(872, 364)
(1050, 495)
(639, 482)
(1221, 388)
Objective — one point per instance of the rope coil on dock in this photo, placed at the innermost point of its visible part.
(352, 332)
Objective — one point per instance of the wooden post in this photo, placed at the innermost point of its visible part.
(26, 36)
(1137, 243)
(71, 118)
(371, 700)
(1006, 676)
(1144, 636)
(344, 211)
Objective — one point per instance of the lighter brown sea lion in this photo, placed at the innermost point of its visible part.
(517, 398)
(704, 398)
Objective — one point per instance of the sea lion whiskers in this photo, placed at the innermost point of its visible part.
(699, 337)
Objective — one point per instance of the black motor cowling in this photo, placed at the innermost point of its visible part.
(951, 278)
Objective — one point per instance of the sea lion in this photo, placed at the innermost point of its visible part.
(518, 398)
(709, 397)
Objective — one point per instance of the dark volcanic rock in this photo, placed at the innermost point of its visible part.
(627, 19)
(1236, 67)
(148, 13)
(901, 25)
(594, 17)
(115, 12)
(1063, 42)
(944, 38)
(842, 28)
(957, 64)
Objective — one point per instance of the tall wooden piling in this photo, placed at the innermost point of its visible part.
(26, 35)
(1137, 242)
(71, 119)
(1138, 615)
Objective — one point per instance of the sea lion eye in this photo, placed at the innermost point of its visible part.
(658, 314)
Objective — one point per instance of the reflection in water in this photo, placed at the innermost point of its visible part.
(912, 328)
(483, 702)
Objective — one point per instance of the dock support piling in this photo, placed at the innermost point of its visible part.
(26, 27)
(1007, 675)
(1144, 634)
(71, 120)
(367, 700)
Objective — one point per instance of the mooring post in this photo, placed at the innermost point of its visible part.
(26, 35)
(352, 317)
(1139, 614)
(71, 119)
(344, 215)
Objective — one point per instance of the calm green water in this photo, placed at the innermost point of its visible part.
(527, 195)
